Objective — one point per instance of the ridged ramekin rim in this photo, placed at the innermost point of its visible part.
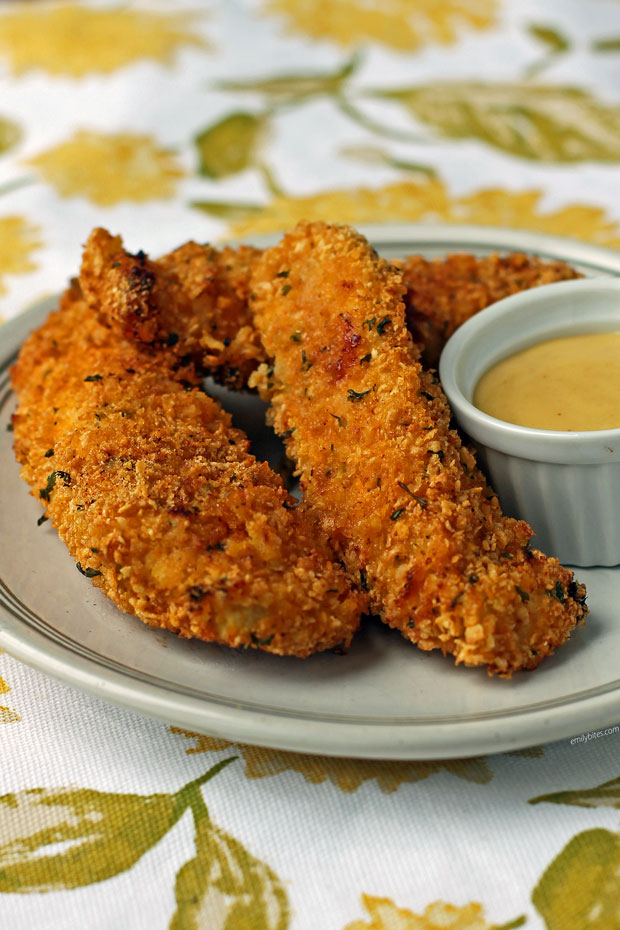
(579, 447)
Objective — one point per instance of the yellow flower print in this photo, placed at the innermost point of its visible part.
(400, 24)
(346, 774)
(203, 743)
(71, 39)
(384, 915)
(17, 240)
(429, 201)
(109, 168)
(6, 714)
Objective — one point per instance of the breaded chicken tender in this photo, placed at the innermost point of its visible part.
(444, 293)
(159, 501)
(402, 499)
(195, 300)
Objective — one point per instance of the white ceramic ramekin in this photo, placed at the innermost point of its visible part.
(565, 484)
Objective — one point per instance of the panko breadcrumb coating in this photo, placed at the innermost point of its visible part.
(159, 501)
(444, 293)
(411, 515)
(195, 300)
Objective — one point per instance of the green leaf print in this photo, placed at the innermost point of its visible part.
(226, 211)
(556, 43)
(10, 134)
(375, 155)
(295, 87)
(102, 833)
(544, 123)
(107, 834)
(605, 795)
(611, 44)
(581, 887)
(225, 888)
(230, 145)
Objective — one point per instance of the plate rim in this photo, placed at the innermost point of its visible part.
(371, 740)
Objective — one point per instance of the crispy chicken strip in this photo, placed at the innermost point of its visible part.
(159, 501)
(194, 300)
(444, 293)
(198, 299)
(411, 515)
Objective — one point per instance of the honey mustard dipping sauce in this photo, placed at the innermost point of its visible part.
(570, 383)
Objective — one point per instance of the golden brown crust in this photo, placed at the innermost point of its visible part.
(194, 300)
(198, 298)
(158, 499)
(411, 515)
(444, 293)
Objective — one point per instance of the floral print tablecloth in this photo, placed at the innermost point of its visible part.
(169, 121)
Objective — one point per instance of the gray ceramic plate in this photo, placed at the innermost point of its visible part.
(385, 699)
